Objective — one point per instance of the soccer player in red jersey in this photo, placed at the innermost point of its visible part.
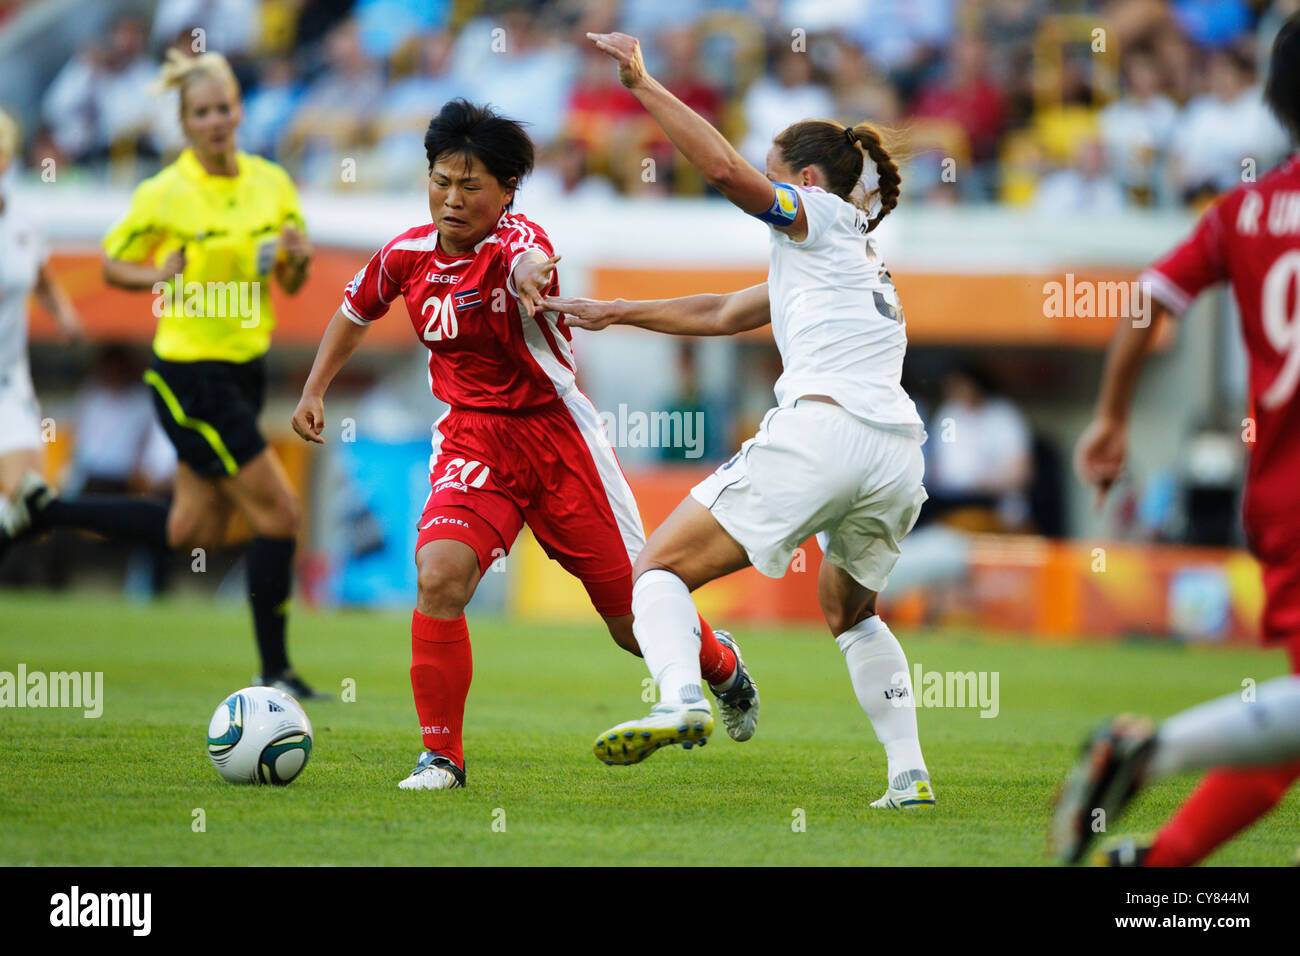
(520, 443)
(1250, 238)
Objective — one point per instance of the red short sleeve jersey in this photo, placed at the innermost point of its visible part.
(1251, 238)
(484, 352)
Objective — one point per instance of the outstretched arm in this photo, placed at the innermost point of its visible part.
(689, 315)
(1100, 455)
(707, 150)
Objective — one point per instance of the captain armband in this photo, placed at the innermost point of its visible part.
(784, 208)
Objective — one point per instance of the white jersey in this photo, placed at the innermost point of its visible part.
(22, 253)
(837, 319)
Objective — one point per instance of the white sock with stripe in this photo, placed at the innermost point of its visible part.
(667, 627)
(878, 670)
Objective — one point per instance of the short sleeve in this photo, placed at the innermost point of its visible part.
(1177, 279)
(525, 237)
(137, 234)
(819, 209)
(371, 291)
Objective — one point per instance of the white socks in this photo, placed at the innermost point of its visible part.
(878, 670)
(1232, 731)
(667, 627)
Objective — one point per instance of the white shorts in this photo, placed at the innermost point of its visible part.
(20, 414)
(814, 468)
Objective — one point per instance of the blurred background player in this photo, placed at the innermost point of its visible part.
(1128, 753)
(839, 457)
(520, 444)
(1251, 239)
(23, 270)
(221, 222)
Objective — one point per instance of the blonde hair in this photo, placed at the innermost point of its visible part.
(180, 70)
(9, 138)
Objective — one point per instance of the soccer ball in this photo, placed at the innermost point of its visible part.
(259, 735)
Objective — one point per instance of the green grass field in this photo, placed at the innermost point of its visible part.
(122, 789)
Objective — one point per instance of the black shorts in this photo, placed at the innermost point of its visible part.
(209, 411)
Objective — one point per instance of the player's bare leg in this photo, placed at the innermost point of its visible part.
(442, 664)
(687, 550)
(261, 491)
(879, 673)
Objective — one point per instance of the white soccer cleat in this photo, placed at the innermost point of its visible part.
(915, 792)
(738, 704)
(29, 499)
(634, 740)
(434, 772)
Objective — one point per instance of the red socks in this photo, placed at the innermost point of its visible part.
(441, 669)
(1227, 801)
(717, 662)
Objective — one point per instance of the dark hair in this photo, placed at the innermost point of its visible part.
(1282, 92)
(842, 153)
(465, 129)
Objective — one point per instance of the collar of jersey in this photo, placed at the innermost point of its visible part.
(443, 258)
(189, 165)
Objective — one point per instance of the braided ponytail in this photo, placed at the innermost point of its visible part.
(888, 180)
(842, 153)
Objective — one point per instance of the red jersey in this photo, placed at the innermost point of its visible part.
(1251, 238)
(484, 351)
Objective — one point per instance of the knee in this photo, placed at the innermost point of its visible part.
(282, 518)
(620, 629)
(842, 615)
(187, 530)
(442, 593)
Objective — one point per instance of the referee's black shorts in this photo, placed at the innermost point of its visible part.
(209, 411)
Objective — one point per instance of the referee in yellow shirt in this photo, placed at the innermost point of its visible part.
(205, 236)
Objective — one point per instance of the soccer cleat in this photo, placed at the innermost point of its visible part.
(1123, 851)
(910, 790)
(1109, 773)
(634, 740)
(24, 514)
(434, 772)
(738, 704)
(290, 683)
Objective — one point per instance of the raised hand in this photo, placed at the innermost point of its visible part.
(626, 51)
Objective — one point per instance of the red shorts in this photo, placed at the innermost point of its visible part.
(1275, 543)
(551, 468)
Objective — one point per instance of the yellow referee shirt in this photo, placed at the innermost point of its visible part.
(229, 228)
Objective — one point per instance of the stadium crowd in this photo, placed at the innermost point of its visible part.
(1063, 106)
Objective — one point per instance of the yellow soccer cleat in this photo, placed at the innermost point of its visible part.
(634, 740)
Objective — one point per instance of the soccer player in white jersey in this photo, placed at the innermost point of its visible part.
(24, 268)
(840, 455)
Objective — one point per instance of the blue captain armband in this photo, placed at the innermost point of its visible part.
(784, 208)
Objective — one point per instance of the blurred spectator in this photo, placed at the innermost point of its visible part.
(102, 96)
(979, 469)
(1137, 129)
(968, 97)
(403, 113)
(269, 106)
(861, 92)
(562, 173)
(336, 109)
(1217, 132)
(775, 101)
(520, 66)
(229, 26)
(1087, 188)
